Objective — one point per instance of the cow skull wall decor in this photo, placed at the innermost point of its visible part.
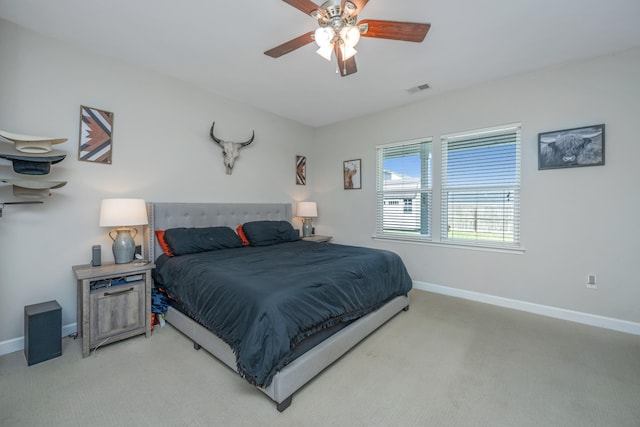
(230, 149)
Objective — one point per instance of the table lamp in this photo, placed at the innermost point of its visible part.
(306, 211)
(123, 214)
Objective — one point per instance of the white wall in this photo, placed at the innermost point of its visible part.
(161, 152)
(574, 221)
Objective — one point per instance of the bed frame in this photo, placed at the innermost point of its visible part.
(163, 216)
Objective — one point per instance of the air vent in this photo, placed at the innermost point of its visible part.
(418, 88)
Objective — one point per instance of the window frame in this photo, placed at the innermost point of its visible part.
(513, 189)
(423, 147)
(436, 193)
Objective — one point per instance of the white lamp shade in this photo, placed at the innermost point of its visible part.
(307, 210)
(323, 36)
(123, 212)
(350, 35)
(325, 52)
(348, 52)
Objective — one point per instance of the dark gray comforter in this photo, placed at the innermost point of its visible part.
(263, 300)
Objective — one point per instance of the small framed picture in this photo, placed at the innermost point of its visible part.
(352, 173)
(570, 148)
(301, 170)
(96, 135)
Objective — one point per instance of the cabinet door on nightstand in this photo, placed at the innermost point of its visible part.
(117, 309)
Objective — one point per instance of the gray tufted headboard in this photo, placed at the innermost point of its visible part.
(163, 216)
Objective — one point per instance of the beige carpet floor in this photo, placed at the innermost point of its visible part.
(445, 362)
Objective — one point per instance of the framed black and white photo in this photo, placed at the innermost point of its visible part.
(352, 174)
(570, 148)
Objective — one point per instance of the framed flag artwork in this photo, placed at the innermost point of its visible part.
(301, 170)
(96, 135)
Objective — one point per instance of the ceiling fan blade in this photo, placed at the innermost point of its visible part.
(290, 46)
(360, 4)
(395, 30)
(306, 6)
(347, 67)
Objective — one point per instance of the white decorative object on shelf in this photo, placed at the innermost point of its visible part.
(31, 158)
(31, 144)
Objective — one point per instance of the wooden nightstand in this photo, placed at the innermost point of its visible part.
(114, 302)
(318, 238)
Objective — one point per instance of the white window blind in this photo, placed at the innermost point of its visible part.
(404, 190)
(480, 202)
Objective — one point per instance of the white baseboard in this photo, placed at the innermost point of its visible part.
(544, 310)
(17, 344)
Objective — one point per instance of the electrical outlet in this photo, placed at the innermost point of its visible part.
(591, 281)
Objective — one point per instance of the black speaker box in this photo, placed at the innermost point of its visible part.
(42, 331)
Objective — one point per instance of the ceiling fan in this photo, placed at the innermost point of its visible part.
(339, 31)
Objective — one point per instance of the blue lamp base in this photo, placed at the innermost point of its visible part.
(123, 246)
(306, 227)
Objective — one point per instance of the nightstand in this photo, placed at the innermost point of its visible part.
(317, 238)
(114, 302)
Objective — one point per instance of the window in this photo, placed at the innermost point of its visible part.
(404, 190)
(480, 187)
(477, 190)
(408, 203)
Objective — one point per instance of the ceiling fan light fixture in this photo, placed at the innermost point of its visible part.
(350, 35)
(347, 52)
(339, 31)
(324, 36)
(325, 51)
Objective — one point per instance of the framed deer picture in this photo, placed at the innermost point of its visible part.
(352, 174)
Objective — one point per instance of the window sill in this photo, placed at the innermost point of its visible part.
(425, 242)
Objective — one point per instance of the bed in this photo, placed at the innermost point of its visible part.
(312, 323)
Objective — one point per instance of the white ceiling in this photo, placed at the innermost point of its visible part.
(218, 46)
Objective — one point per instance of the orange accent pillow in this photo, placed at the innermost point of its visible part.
(243, 237)
(163, 243)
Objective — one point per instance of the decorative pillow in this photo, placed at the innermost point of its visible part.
(243, 237)
(264, 233)
(182, 241)
(163, 243)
